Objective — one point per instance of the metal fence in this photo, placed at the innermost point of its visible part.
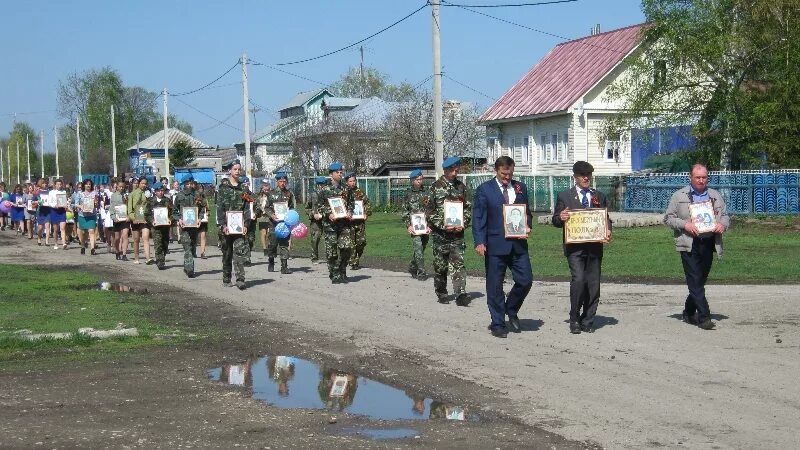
(745, 192)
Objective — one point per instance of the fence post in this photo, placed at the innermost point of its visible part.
(388, 192)
(534, 193)
(304, 188)
(550, 192)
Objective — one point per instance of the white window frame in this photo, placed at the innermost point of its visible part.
(511, 143)
(554, 141)
(611, 152)
(542, 143)
(526, 149)
(565, 137)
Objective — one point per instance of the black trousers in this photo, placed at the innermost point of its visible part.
(696, 267)
(584, 286)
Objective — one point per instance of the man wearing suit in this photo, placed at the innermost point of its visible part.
(584, 259)
(499, 252)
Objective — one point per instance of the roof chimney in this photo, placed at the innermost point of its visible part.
(597, 29)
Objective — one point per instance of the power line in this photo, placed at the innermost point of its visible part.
(207, 84)
(278, 69)
(221, 122)
(496, 100)
(211, 117)
(512, 5)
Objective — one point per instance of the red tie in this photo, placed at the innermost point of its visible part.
(505, 194)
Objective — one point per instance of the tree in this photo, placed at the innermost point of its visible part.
(17, 137)
(372, 83)
(181, 154)
(730, 67)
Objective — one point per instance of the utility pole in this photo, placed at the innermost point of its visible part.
(2, 167)
(113, 142)
(78, 131)
(55, 140)
(437, 90)
(18, 179)
(166, 141)
(361, 70)
(246, 98)
(28, 147)
(41, 152)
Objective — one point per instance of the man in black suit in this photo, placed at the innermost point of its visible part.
(585, 258)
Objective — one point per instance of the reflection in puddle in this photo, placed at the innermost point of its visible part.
(289, 382)
(380, 434)
(116, 287)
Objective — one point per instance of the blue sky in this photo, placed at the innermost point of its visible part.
(182, 45)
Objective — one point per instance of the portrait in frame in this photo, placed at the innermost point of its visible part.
(121, 213)
(453, 214)
(337, 207)
(190, 216)
(419, 224)
(161, 217)
(358, 210)
(235, 222)
(280, 208)
(515, 220)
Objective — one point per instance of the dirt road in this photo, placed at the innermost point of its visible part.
(643, 379)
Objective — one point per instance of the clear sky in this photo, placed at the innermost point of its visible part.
(184, 44)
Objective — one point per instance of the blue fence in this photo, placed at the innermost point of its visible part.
(750, 192)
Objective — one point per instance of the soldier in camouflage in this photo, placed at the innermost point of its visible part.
(416, 201)
(261, 218)
(281, 194)
(448, 240)
(337, 232)
(315, 218)
(233, 196)
(160, 232)
(184, 199)
(251, 231)
(359, 225)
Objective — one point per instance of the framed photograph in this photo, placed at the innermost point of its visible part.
(419, 224)
(338, 208)
(280, 209)
(44, 200)
(87, 205)
(586, 225)
(190, 216)
(19, 201)
(515, 220)
(161, 217)
(453, 214)
(121, 212)
(702, 214)
(31, 205)
(235, 222)
(138, 215)
(61, 201)
(358, 210)
(339, 386)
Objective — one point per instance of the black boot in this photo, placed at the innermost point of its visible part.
(285, 267)
(271, 265)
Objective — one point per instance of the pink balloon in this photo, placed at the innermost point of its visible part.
(300, 231)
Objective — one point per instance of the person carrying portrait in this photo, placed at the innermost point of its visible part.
(501, 252)
(283, 194)
(415, 201)
(448, 240)
(188, 198)
(337, 232)
(315, 218)
(359, 225)
(263, 221)
(233, 196)
(697, 249)
(584, 259)
(137, 202)
(250, 236)
(160, 232)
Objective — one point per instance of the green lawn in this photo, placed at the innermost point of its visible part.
(753, 254)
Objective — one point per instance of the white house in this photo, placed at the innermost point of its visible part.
(554, 115)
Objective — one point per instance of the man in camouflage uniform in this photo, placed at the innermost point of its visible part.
(251, 231)
(184, 199)
(281, 193)
(233, 196)
(337, 232)
(448, 240)
(160, 233)
(416, 201)
(359, 225)
(262, 219)
(315, 218)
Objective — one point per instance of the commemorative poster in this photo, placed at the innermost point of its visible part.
(702, 214)
(586, 225)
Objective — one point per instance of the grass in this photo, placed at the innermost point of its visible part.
(753, 254)
(46, 300)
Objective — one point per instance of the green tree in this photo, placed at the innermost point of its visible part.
(372, 83)
(17, 137)
(181, 154)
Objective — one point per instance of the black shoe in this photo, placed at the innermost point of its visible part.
(499, 333)
(190, 274)
(83, 250)
(422, 276)
(241, 285)
(443, 298)
(162, 266)
(462, 299)
(314, 260)
(226, 284)
(574, 328)
(706, 325)
(690, 319)
(336, 281)
(93, 252)
(123, 258)
(587, 328)
(355, 266)
(150, 262)
(513, 323)
(271, 265)
(285, 268)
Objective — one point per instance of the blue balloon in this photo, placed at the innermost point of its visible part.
(291, 218)
(282, 230)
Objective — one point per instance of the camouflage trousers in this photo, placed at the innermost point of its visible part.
(359, 242)
(448, 257)
(275, 245)
(251, 240)
(338, 246)
(234, 254)
(316, 236)
(417, 264)
(189, 242)
(160, 243)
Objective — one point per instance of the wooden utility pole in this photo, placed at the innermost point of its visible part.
(438, 141)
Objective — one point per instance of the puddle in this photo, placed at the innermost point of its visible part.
(289, 382)
(380, 434)
(117, 287)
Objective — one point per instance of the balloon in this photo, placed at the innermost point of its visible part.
(70, 216)
(291, 218)
(282, 230)
(3, 208)
(299, 231)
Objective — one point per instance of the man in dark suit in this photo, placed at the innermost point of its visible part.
(584, 259)
(499, 252)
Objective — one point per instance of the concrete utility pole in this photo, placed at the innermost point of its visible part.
(2, 166)
(166, 141)
(361, 70)
(18, 179)
(80, 162)
(113, 142)
(438, 141)
(248, 167)
(55, 141)
(41, 152)
(28, 147)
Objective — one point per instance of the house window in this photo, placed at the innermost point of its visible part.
(659, 72)
(548, 149)
(556, 147)
(612, 149)
(565, 139)
(511, 142)
(560, 149)
(526, 149)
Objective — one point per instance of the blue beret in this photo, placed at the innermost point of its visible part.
(244, 179)
(321, 180)
(415, 173)
(157, 185)
(450, 162)
(188, 179)
(335, 166)
(349, 175)
(279, 175)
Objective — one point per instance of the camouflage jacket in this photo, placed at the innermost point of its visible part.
(414, 201)
(332, 191)
(188, 198)
(443, 190)
(233, 198)
(262, 201)
(312, 206)
(358, 194)
(154, 202)
(276, 195)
